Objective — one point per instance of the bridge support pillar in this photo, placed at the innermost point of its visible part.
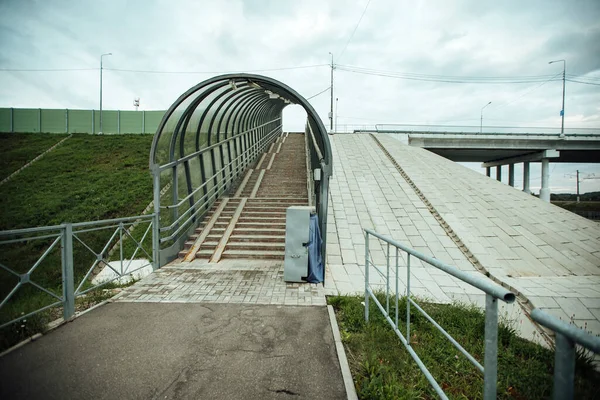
(488, 171)
(499, 173)
(526, 177)
(545, 190)
(511, 175)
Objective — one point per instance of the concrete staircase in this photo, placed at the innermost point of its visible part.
(251, 223)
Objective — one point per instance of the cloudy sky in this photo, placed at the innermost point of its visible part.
(466, 39)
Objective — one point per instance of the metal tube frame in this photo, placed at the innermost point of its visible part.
(65, 235)
(567, 337)
(493, 293)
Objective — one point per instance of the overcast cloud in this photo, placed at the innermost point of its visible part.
(462, 38)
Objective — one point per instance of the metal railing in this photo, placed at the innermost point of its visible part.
(197, 202)
(567, 336)
(493, 293)
(76, 282)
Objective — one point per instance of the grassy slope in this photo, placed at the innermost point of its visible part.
(18, 149)
(383, 369)
(87, 178)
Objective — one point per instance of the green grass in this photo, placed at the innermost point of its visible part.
(28, 327)
(19, 149)
(383, 369)
(574, 206)
(87, 178)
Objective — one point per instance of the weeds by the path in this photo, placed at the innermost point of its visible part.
(383, 369)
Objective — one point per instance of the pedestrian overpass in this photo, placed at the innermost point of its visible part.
(219, 159)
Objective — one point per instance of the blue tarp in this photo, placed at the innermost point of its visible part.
(315, 261)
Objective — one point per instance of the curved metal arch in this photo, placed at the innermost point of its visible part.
(179, 131)
(273, 85)
(249, 108)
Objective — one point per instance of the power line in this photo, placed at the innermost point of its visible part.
(584, 77)
(156, 71)
(396, 73)
(446, 79)
(525, 93)
(47, 70)
(321, 92)
(585, 83)
(354, 31)
(214, 72)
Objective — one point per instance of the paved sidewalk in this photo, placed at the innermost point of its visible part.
(229, 281)
(550, 255)
(180, 351)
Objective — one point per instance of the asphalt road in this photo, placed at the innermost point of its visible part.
(180, 351)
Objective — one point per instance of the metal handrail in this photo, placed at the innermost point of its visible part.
(195, 209)
(317, 149)
(208, 179)
(64, 235)
(493, 293)
(213, 146)
(567, 336)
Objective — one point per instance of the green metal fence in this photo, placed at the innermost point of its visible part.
(25, 120)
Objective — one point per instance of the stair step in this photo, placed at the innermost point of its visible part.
(256, 245)
(259, 231)
(265, 213)
(256, 238)
(250, 254)
(276, 225)
(249, 218)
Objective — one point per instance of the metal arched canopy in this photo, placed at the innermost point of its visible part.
(229, 104)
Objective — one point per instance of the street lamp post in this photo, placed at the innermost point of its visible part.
(562, 111)
(105, 54)
(336, 115)
(331, 110)
(481, 120)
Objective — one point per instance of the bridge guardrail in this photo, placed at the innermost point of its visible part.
(74, 282)
(493, 293)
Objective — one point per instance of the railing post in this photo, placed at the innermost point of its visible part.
(156, 218)
(490, 368)
(67, 272)
(121, 245)
(397, 294)
(564, 368)
(387, 283)
(408, 298)
(366, 276)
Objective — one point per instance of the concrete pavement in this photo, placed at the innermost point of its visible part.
(180, 351)
(549, 255)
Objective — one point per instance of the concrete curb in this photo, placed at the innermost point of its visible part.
(339, 346)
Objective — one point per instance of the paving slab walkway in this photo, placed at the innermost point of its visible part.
(180, 351)
(549, 255)
(228, 281)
